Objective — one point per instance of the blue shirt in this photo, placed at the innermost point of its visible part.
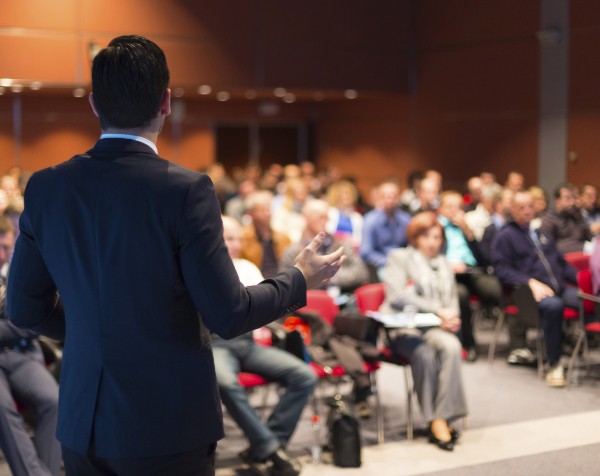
(457, 248)
(381, 234)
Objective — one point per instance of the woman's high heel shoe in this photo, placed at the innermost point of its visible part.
(444, 445)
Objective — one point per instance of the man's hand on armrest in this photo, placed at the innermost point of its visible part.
(317, 269)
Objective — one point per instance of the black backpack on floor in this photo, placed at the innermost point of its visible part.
(344, 435)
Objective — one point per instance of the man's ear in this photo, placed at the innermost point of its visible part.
(91, 100)
(165, 103)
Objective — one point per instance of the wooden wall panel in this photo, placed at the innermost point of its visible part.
(53, 59)
(477, 87)
(584, 93)
(39, 14)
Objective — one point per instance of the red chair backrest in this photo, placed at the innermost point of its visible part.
(321, 302)
(578, 259)
(584, 281)
(369, 297)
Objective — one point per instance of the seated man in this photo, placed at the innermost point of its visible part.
(353, 272)
(262, 245)
(525, 257)
(24, 374)
(565, 224)
(384, 228)
(267, 440)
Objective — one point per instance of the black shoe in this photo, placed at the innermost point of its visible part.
(284, 464)
(257, 467)
(444, 445)
(454, 435)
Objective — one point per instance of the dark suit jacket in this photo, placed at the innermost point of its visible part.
(133, 244)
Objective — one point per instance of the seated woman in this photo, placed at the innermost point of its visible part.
(434, 352)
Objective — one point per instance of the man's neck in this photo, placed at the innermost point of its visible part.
(152, 136)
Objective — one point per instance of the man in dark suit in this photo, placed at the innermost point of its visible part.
(121, 254)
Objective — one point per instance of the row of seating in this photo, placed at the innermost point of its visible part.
(368, 298)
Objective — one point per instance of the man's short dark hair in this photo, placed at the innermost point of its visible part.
(129, 78)
(564, 186)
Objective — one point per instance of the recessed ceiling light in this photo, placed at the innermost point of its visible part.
(289, 98)
(36, 85)
(16, 88)
(351, 93)
(250, 94)
(78, 92)
(279, 92)
(223, 96)
(204, 89)
(178, 92)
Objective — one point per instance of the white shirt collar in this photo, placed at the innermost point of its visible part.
(143, 140)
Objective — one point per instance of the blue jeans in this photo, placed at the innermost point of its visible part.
(243, 355)
(551, 319)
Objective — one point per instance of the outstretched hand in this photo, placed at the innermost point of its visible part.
(318, 269)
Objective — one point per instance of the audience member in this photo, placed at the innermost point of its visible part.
(540, 205)
(344, 222)
(473, 197)
(384, 228)
(501, 204)
(462, 253)
(515, 181)
(269, 439)
(353, 272)
(480, 217)
(434, 352)
(525, 257)
(565, 224)
(595, 270)
(487, 177)
(25, 376)
(428, 197)
(234, 207)
(408, 199)
(588, 201)
(287, 217)
(262, 245)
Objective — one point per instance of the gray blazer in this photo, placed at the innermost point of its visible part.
(434, 280)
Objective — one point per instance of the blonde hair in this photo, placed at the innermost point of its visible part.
(335, 190)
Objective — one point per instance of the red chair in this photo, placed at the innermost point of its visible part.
(587, 305)
(250, 381)
(578, 259)
(369, 298)
(323, 304)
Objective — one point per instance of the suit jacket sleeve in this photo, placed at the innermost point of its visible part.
(32, 300)
(227, 307)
